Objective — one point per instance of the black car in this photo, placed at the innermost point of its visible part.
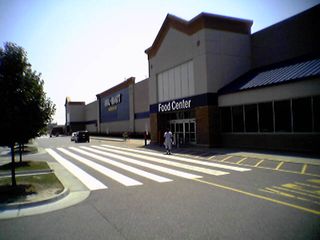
(82, 136)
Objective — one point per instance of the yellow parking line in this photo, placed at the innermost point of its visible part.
(297, 191)
(241, 160)
(260, 197)
(226, 158)
(307, 185)
(261, 161)
(316, 181)
(304, 169)
(270, 190)
(280, 193)
(279, 165)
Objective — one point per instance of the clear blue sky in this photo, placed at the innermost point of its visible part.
(84, 47)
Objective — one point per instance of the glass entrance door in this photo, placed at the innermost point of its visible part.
(184, 131)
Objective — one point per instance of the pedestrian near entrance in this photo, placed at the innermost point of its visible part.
(168, 141)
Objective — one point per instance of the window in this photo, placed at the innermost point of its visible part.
(302, 115)
(282, 111)
(266, 117)
(226, 124)
(251, 118)
(176, 82)
(316, 113)
(237, 119)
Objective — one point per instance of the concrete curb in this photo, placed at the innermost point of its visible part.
(18, 206)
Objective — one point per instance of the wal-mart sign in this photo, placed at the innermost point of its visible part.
(174, 105)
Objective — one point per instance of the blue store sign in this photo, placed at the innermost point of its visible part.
(115, 107)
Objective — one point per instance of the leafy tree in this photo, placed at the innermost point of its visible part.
(24, 108)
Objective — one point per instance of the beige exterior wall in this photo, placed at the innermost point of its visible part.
(91, 114)
(218, 58)
(228, 56)
(141, 96)
(76, 113)
(280, 92)
(91, 110)
(142, 125)
(115, 127)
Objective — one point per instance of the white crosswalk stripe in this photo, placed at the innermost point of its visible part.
(184, 159)
(124, 158)
(137, 171)
(90, 182)
(152, 166)
(171, 163)
(105, 171)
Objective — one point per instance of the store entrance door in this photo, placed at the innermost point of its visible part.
(184, 131)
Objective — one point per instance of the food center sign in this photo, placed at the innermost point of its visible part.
(174, 105)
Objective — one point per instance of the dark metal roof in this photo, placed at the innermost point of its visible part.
(276, 74)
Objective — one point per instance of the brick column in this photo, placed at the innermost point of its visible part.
(154, 127)
(207, 120)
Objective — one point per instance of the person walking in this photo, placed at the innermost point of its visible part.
(168, 141)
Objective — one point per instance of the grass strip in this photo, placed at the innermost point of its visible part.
(26, 166)
(29, 187)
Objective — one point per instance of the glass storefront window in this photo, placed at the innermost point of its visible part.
(316, 113)
(266, 117)
(251, 117)
(237, 119)
(302, 115)
(282, 111)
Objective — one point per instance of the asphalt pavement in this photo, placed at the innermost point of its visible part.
(277, 198)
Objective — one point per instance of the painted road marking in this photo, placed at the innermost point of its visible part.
(296, 191)
(300, 188)
(279, 165)
(307, 185)
(261, 161)
(124, 180)
(90, 182)
(241, 160)
(304, 169)
(152, 166)
(226, 158)
(199, 162)
(273, 191)
(259, 196)
(170, 163)
(137, 171)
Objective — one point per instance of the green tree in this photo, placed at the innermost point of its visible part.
(24, 108)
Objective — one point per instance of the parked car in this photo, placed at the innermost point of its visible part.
(73, 136)
(82, 136)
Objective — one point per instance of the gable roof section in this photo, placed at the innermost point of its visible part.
(275, 74)
(203, 20)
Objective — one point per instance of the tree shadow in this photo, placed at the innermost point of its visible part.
(9, 194)
(7, 167)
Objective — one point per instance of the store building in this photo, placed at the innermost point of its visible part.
(122, 108)
(213, 83)
(216, 84)
(189, 62)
